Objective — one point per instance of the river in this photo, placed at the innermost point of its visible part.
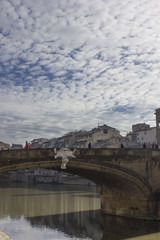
(49, 212)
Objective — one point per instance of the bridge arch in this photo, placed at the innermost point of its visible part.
(100, 175)
(124, 192)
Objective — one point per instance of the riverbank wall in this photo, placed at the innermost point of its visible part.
(44, 176)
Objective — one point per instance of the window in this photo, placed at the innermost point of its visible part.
(105, 131)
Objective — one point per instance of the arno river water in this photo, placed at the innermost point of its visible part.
(47, 212)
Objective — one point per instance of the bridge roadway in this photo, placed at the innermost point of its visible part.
(129, 178)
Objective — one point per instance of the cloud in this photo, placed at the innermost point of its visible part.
(67, 65)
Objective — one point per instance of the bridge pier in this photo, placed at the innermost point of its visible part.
(119, 203)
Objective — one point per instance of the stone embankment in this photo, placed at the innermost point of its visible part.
(44, 176)
(3, 236)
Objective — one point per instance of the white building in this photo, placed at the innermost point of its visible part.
(147, 136)
(16, 146)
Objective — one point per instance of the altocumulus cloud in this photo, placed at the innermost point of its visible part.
(71, 64)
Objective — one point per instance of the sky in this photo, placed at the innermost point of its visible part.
(68, 65)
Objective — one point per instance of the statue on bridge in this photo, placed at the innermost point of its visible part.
(64, 153)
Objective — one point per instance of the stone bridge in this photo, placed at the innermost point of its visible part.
(129, 178)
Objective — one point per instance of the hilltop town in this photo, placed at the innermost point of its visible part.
(102, 136)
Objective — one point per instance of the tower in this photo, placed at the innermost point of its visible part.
(157, 113)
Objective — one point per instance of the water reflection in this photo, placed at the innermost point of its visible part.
(44, 200)
(79, 225)
(118, 228)
(56, 212)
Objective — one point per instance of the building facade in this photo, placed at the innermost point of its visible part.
(37, 143)
(157, 113)
(16, 146)
(140, 126)
(82, 139)
(101, 136)
(147, 136)
(105, 136)
(4, 146)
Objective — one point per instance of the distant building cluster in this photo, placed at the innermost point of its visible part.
(99, 137)
(102, 137)
(144, 134)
